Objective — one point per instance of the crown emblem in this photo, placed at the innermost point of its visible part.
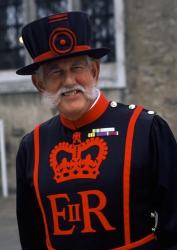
(78, 160)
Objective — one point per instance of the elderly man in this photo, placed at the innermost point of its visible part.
(100, 175)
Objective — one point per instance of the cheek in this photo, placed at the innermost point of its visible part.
(86, 80)
(52, 86)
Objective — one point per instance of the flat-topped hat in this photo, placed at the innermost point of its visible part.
(56, 37)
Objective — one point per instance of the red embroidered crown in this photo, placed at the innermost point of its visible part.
(73, 161)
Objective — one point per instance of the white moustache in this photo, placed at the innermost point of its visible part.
(64, 90)
(52, 100)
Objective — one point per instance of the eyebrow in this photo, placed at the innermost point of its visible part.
(53, 66)
(79, 63)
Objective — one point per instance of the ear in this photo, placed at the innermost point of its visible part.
(38, 83)
(95, 69)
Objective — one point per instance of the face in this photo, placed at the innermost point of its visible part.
(70, 83)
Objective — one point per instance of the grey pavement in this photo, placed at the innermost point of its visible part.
(9, 239)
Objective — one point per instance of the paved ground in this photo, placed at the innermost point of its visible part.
(8, 225)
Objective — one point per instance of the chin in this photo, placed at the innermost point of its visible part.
(74, 112)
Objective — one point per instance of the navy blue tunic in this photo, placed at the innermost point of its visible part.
(71, 195)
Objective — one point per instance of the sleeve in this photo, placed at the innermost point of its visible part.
(164, 149)
(30, 225)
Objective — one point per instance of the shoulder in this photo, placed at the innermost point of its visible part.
(130, 109)
(50, 123)
(145, 119)
(28, 138)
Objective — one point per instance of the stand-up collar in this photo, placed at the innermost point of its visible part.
(90, 116)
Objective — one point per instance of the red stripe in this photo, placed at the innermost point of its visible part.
(57, 19)
(137, 243)
(126, 174)
(36, 184)
(50, 54)
(57, 16)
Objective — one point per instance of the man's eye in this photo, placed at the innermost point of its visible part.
(55, 72)
(79, 67)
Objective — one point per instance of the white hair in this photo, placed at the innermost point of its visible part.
(40, 72)
(53, 99)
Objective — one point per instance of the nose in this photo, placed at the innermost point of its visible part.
(69, 79)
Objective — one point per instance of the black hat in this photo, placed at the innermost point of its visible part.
(58, 36)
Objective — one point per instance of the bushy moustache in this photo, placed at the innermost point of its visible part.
(52, 100)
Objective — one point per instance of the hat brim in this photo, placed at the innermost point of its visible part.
(95, 53)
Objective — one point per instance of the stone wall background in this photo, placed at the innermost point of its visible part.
(151, 49)
(21, 112)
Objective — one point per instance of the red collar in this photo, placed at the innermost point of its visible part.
(93, 114)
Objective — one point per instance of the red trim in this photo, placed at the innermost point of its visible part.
(36, 184)
(58, 16)
(58, 19)
(93, 114)
(137, 243)
(49, 54)
(126, 174)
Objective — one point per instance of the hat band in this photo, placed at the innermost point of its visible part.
(50, 54)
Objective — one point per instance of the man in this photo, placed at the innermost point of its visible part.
(99, 175)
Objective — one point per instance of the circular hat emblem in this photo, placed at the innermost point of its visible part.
(62, 40)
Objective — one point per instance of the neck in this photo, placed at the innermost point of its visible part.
(74, 116)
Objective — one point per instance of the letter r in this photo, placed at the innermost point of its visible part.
(94, 210)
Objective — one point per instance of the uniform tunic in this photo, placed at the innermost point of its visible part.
(98, 183)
